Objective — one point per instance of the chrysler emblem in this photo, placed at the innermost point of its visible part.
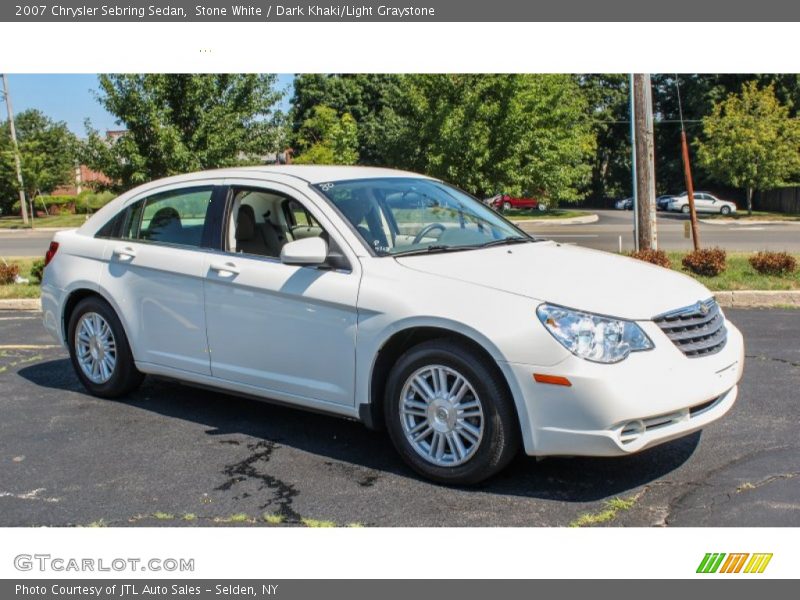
(702, 308)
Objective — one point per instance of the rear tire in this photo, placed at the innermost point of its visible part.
(474, 430)
(99, 350)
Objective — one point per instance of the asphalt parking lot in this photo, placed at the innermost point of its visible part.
(173, 455)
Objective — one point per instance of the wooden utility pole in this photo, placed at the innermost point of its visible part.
(687, 171)
(645, 162)
(22, 203)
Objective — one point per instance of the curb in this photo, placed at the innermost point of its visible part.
(758, 298)
(733, 299)
(21, 304)
(572, 221)
(22, 230)
(740, 223)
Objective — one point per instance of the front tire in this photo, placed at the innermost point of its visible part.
(725, 210)
(506, 206)
(449, 415)
(685, 209)
(99, 350)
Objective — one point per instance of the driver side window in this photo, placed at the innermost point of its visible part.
(263, 221)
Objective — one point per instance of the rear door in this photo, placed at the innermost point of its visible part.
(154, 270)
(703, 202)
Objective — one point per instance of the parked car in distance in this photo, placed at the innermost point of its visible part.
(505, 202)
(318, 287)
(624, 204)
(663, 201)
(703, 203)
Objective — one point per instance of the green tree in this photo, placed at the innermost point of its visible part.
(369, 98)
(519, 134)
(609, 107)
(47, 153)
(325, 138)
(750, 141)
(177, 123)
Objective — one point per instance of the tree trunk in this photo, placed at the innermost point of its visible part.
(749, 201)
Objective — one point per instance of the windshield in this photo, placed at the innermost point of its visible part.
(402, 215)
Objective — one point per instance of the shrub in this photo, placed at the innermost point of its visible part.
(773, 263)
(89, 201)
(37, 270)
(58, 205)
(656, 257)
(706, 261)
(8, 273)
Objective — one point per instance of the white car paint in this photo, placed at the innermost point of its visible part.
(703, 203)
(310, 337)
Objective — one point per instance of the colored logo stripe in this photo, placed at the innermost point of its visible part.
(733, 564)
(710, 562)
(758, 563)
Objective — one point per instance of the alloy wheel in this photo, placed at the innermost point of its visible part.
(95, 347)
(441, 415)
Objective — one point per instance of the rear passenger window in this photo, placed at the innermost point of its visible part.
(175, 217)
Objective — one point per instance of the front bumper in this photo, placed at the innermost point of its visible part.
(613, 410)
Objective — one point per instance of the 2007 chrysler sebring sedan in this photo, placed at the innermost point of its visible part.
(394, 299)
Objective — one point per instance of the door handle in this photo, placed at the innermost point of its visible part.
(124, 253)
(224, 269)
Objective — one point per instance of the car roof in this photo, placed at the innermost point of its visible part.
(311, 174)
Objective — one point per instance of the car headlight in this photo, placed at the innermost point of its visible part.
(593, 337)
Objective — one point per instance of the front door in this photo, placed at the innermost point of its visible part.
(289, 331)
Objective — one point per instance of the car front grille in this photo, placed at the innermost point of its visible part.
(697, 330)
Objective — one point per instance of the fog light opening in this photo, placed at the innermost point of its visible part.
(631, 431)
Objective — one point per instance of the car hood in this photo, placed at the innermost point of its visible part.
(571, 276)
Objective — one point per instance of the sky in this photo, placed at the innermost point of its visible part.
(71, 98)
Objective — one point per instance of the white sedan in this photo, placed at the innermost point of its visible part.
(703, 203)
(394, 299)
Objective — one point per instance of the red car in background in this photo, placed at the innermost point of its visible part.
(506, 202)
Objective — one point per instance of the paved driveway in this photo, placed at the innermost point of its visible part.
(174, 455)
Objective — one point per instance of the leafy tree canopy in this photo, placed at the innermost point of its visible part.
(517, 134)
(48, 152)
(371, 100)
(326, 138)
(183, 123)
(751, 141)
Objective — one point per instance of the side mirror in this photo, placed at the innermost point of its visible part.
(308, 251)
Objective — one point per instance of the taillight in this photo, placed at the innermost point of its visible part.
(51, 252)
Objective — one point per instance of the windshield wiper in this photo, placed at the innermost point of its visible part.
(433, 249)
(436, 248)
(505, 241)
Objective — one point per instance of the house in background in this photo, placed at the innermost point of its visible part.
(85, 178)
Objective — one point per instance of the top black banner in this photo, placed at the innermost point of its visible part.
(404, 10)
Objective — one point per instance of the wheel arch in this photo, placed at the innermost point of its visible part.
(80, 293)
(400, 341)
